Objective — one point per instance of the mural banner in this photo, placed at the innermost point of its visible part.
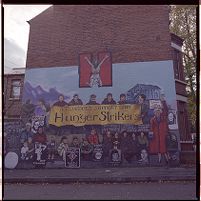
(95, 114)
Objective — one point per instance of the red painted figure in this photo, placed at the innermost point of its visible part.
(159, 128)
(93, 137)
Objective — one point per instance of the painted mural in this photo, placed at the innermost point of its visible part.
(121, 114)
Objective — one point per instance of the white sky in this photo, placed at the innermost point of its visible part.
(16, 32)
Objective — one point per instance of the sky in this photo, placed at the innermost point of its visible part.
(135, 73)
(16, 33)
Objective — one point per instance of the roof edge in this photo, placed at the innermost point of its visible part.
(42, 13)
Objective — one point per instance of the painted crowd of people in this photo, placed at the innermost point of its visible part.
(133, 146)
(130, 144)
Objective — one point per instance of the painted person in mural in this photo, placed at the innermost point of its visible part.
(75, 143)
(40, 136)
(107, 143)
(40, 141)
(134, 145)
(60, 102)
(95, 79)
(115, 153)
(24, 151)
(143, 144)
(26, 133)
(27, 111)
(109, 100)
(126, 147)
(31, 148)
(76, 100)
(93, 137)
(144, 109)
(42, 109)
(86, 149)
(159, 127)
(92, 100)
(122, 99)
(27, 150)
(116, 140)
(63, 147)
(51, 148)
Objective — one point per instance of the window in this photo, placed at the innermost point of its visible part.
(177, 59)
(15, 89)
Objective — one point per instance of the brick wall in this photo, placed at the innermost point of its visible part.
(131, 33)
(183, 121)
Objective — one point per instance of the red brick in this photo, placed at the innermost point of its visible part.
(131, 33)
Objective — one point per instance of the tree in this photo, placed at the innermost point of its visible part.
(183, 24)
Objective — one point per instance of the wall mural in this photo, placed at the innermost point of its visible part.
(99, 113)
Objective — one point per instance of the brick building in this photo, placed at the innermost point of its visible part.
(130, 33)
(13, 88)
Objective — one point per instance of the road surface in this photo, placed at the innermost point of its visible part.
(115, 191)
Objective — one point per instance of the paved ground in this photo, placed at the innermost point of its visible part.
(171, 183)
(100, 175)
(115, 191)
